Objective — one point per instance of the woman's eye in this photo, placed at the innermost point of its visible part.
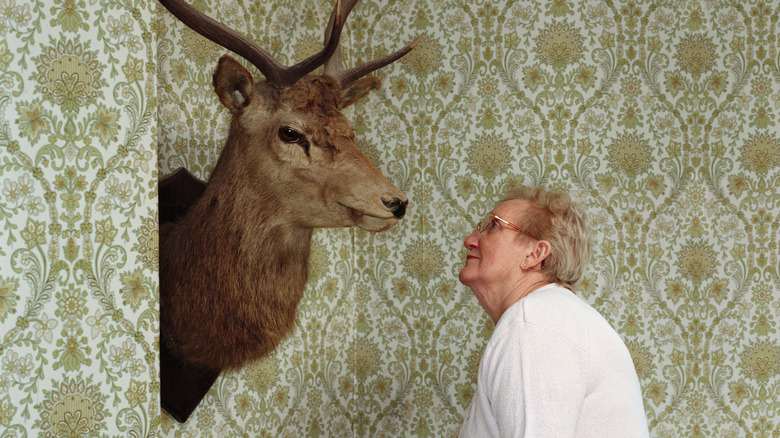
(289, 135)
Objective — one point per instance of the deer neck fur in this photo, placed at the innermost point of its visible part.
(245, 265)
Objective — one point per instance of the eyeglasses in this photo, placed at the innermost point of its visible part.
(491, 218)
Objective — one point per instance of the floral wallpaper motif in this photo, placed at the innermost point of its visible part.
(659, 117)
(78, 260)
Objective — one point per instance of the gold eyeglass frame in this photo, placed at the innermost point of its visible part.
(490, 216)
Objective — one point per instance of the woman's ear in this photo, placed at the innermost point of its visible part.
(538, 253)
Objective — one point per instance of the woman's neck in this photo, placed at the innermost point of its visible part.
(524, 285)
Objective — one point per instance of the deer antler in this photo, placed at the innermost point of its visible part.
(333, 65)
(275, 73)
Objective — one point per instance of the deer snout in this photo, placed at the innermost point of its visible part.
(396, 205)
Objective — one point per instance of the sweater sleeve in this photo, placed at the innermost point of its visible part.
(535, 380)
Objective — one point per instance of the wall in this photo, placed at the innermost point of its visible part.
(78, 258)
(659, 117)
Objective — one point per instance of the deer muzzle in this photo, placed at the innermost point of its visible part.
(396, 205)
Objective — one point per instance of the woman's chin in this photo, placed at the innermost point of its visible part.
(466, 276)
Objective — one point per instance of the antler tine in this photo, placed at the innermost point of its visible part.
(275, 73)
(331, 43)
(347, 77)
(227, 38)
(333, 64)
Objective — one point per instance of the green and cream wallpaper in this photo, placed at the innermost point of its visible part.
(660, 117)
(78, 219)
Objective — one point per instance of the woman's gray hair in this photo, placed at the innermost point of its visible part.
(554, 217)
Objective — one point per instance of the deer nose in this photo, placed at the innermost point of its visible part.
(396, 205)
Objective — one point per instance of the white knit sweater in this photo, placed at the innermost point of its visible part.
(553, 368)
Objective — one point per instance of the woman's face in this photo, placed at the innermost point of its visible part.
(495, 254)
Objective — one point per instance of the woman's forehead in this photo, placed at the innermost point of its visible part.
(511, 209)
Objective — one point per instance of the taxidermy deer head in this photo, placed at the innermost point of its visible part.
(233, 269)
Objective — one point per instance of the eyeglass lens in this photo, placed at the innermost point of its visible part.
(485, 222)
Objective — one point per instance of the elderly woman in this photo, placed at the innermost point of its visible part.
(553, 367)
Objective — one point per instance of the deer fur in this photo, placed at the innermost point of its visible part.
(233, 269)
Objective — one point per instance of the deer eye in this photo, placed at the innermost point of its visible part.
(289, 135)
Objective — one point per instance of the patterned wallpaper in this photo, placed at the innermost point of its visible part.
(659, 117)
(78, 259)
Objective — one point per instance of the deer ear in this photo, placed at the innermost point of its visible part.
(234, 84)
(358, 90)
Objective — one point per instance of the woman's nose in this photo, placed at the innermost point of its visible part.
(471, 241)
